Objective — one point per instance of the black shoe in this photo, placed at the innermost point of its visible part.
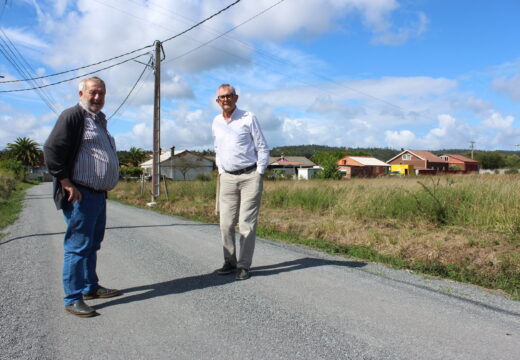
(80, 309)
(243, 274)
(102, 293)
(227, 268)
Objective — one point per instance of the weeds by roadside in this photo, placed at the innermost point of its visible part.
(466, 228)
(11, 203)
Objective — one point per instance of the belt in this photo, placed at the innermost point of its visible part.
(90, 189)
(242, 171)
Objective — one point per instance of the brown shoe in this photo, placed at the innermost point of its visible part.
(102, 293)
(79, 308)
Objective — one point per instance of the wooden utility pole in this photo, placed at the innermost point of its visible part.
(156, 175)
(472, 144)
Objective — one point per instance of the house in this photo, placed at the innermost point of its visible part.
(424, 162)
(461, 163)
(362, 166)
(402, 169)
(184, 165)
(290, 164)
(308, 173)
(38, 172)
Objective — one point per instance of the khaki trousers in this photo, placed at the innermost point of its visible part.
(239, 199)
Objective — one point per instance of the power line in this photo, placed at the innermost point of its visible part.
(280, 60)
(11, 53)
(203, 21)
(75, 77)
(131, 90)
(125, 54)
(227, 32)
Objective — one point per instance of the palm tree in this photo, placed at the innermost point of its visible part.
(136, 156)
(26, 151)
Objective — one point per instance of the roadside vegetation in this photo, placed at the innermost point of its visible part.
(12, 192)
(462, 227)
(14, 162)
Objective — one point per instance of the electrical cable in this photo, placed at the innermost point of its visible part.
(29, 70)
(203, 21)
(11, 53)
(131, 90)
(125, 54)
(75, 77)
(227, 32)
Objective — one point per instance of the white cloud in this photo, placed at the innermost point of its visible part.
(509, 87)
(24, 38)
(497, 121)
(60, 6)
(400, 139)
(403, 34)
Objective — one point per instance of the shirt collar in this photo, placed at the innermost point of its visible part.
(232, 115)
(99, 116)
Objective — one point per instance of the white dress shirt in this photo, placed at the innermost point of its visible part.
(239, 143)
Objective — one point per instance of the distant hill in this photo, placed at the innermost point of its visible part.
(309, 150)
(383, 154)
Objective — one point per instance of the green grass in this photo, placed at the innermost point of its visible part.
(11, 206)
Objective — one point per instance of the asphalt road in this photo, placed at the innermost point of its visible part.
(299, 304)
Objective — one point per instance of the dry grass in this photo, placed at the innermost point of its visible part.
(463, 227)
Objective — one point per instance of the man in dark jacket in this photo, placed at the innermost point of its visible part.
(81, 155)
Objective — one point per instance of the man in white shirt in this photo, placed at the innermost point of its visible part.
(242, 155)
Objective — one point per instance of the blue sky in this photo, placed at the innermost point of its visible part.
(421, 74)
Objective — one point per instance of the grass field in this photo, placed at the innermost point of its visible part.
(464, 227)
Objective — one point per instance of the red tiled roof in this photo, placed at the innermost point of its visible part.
(461, 158)
(426, 155)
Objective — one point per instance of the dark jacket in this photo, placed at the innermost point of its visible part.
(61, 148)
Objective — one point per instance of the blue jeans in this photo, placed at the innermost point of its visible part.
(85, 230)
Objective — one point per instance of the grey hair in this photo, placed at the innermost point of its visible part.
(83, 84)
(231, 87)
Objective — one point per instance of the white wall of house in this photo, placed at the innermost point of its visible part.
(308, 173)
(183, 166)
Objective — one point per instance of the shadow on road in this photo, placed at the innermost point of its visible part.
(108, 229)
(190, 283)
(31, 235)
(152, 226)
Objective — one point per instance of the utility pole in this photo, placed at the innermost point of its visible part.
(472, 144)
(156, 163)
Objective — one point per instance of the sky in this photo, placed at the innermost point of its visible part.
(412, 74)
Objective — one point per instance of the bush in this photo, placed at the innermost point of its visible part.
(7, 184)
(134, 172)
(14, 167)
(277, 175)
(204, 177)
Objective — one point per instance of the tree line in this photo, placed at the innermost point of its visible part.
(25, 152)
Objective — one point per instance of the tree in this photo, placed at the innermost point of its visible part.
(328, 161)
(136, 156)
(26, 151)
(491, 160)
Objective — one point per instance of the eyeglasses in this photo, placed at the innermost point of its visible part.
(226, 96)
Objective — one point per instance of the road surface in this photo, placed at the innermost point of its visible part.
(299, 304)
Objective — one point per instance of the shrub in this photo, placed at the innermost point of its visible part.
(203, 177)
(16, 168)
(131, 172)
(7, 184)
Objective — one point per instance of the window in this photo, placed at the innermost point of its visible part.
(407, 157)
